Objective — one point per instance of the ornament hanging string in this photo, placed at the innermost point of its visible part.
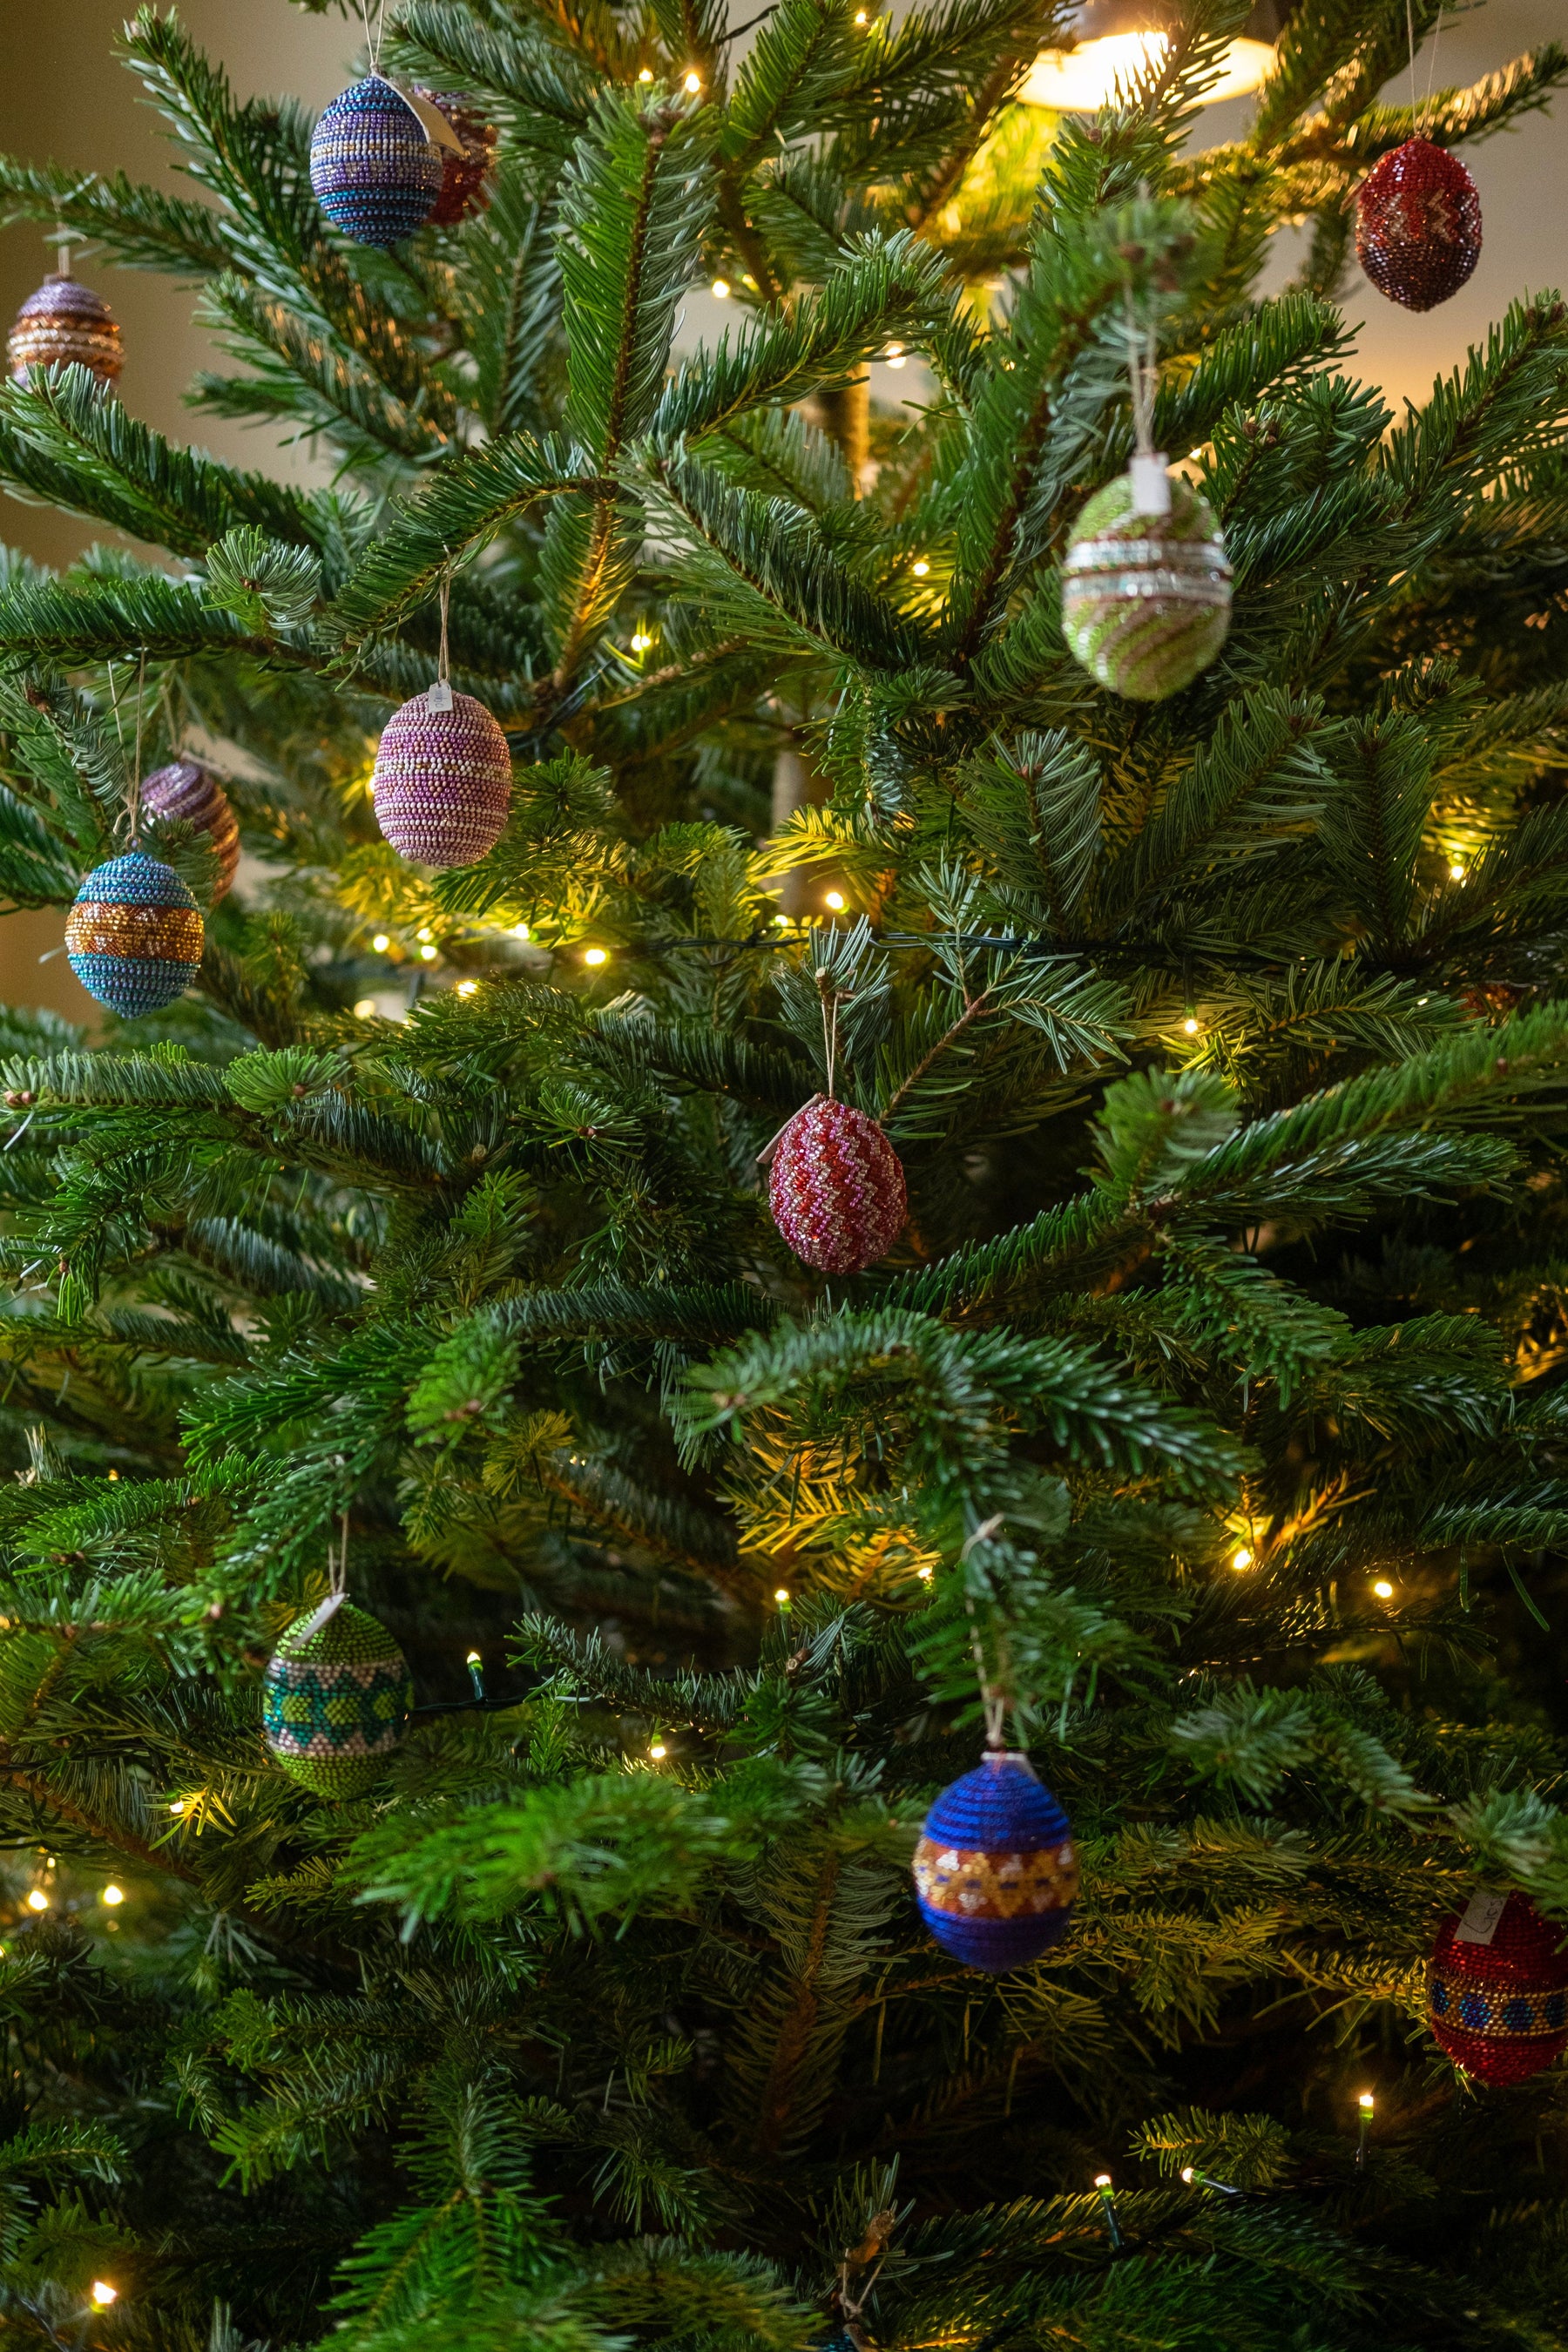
(372, 35)
(994, 1701)
(337, 1584)
(136, 763)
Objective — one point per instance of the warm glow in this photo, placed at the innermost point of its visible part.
(178, 1806)
(1102, 2179)
(427, 955)
(782, 1595)
(641, 641)
(1365, 2102)
(658, 1750)
(103, 2295)
(693, 83)
(595, 955)
(1189, 1027)
(860, 16)
(1384, 1590)
(474, 1658)
(834, 899)
(782, 918)
(114, 1895)
(1241, 1560)
(468, 987)
(364, 1007)
(647, 74)
(1080, 81)
(519, 931)
(111, 1473)
(37, 1900)
(721, 289)
(425, 934)
(1187, 2174)
(1456, 873)
(925, 1574)
(919, 567)
(381, 942)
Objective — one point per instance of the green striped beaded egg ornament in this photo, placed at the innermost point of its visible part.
(1146, 595)
(335, 1699)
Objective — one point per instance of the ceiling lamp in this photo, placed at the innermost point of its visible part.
(1115, 39)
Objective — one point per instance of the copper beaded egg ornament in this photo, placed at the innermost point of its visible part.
(1497, 1989)
(1145, 596)
(335, 1699)
(375, 173)
(836, 1188)
(1418, 225)
(134, 937)
(994, 1870)
(184, 790)
(64, 324)
(465, 175)
(443, 780)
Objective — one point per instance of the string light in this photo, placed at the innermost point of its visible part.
(425, 933)
(114, 1895)
(1456, 873)
(1241, 1560)
(380, 943)
(37, 1900)
(641, 641)
(1107, 2200)
(834, 899)
(783, 919)
(1367, 2105)
(782, 1596)
(1189, 1027)
(364, 1007)
(103, 2295)
(926, 1573)
(647, 74)
(658, 1750)
(895, 355)
(468, 987)
(919, 567)
(521, 931)
(861, 16)
(721, 289)
(693, 84)
(426, 955)
(112, 1474)
(1384, 1590)
(178, 1807)
(476, 1666)
(595, 956)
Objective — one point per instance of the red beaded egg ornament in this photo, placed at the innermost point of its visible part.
(836, 1188)
(1497, 1989)
(184, 789)
(464, 177)
(1418, 225)
(443, 780)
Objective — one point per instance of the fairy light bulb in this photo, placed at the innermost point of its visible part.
(658, 1750)
(114, 1895)
(647, 74)
(926, 1573)
(595, 956)
(178, 1807)
(381, 942)
(919, 567)
(37, 1900)
(721, 289)
(1241, 1559)
(1187, 2174)
(426, 955)
(364, 1007)
(103, 2295)
(641, 641)
(1189, 1027)
(782, 1596)
(521, 931)
(425, 933)
(1384, 1590)
(1456, 872)
(834, 899)
(692, 84)
(468, 987)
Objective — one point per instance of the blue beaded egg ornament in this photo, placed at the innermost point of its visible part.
(335, 1699)
(994, 1869)
(375, 171)
(134, 937)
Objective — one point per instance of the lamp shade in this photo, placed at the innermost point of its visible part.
(1115, 39)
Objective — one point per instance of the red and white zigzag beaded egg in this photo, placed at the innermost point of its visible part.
(836, 1188)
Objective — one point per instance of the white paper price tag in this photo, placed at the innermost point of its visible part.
(439, 696)
(1480, 1923)
(1151, 485)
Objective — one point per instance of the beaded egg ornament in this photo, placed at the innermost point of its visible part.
(134, 937)
(335, 1699)
(1146, 587)
(1497, 1989)
(837, 1187)
(994, 1870)
(464, 169)
(374, 169)
(443, 779)
(184, 789)
(65, 323)
(1418, 225)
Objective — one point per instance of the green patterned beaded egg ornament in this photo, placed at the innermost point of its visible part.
(1145, 597)
(335, 1699)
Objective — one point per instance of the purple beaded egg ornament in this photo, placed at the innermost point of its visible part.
(994, 1869)
(65, 323)
(133, 937)
(184, 789)
(375, 173)
(443, 780)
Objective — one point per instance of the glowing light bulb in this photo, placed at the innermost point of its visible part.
(658, 1750)
(37, 1900)
(103, 2295)
(721, 289)
(693, 84)
(782, 1596)
(1187, 2174)
(925, 1574)
(1189, 1027)
(114, 1895)
(647, 74)
(1082, 80)
(381, 942)
(1102, 2179)
(521, 931)
(1366, 2101)
(1384, 1590)
(426, 955)
(1241, 1560)
(834, 899)
(595, 956)
(1456, 872)
(783, 919)
(468, 987)
(364, 1007)
(425, 933)
(919, 567)
(860, 16)
(641, 641)
(895, 355)
(112, 1474)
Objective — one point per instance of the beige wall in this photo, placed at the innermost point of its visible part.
(63, 95)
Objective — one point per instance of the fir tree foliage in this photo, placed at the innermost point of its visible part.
(1212, 1400)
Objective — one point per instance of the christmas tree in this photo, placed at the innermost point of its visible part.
(897, 1193)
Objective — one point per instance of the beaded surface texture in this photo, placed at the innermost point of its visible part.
(335, 1702)
(1418, 225)
(133, 937)
(464, 178)
(836, 1188)
(994, 1869)
(375, 174)
(1145, 598)
(1500, 2009)
(443, 782)
(184, 789)
(65, 323)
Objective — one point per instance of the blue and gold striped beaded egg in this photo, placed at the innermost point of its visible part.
(134, 936)
(335, 1700)
(994, 1869)
(375, 174)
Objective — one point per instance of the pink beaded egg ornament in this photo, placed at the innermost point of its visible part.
(443, 773)
(836, 1188)
(184, 789)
